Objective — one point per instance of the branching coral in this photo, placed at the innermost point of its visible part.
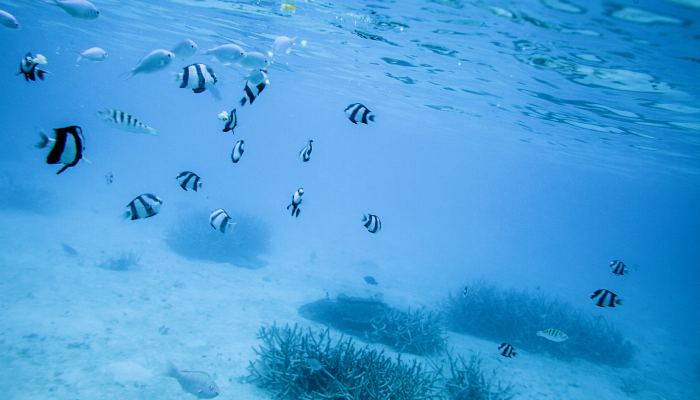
(419, 331)
(467, 381)
(490, 312)
(297, 364)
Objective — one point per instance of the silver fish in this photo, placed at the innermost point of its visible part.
(125, 121)
(197, 383)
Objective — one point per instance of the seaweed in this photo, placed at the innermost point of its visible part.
(301, 364)
(467, 381)
(242, 246)
(414, 331)
(499, 314)
(122, 262)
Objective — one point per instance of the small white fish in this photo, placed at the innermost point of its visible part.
(254, 60)
(40, 59)
(554, 335)
(93, 54)
(79, 8)
(8, 20)
(282, 45)
(152, 62)
(232, 53)
(185, 49)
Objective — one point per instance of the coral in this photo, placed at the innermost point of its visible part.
(242, 246)
(297, 364)
(467, 381)
(515, 316)
(123, 262)
(419, 331)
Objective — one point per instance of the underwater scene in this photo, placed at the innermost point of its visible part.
(350, 200)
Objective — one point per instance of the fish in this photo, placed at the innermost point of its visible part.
(606, 298)
(79, 8)
(314, 365)
(143, 206)
(220, 220)
(29, 67)
(465, 291)
(67, 146)
(253, 60)
(237, 151)
(253, 87)
(8, 20)
(370, 280)
(227, 53)
(197, 383)
(185, 49)
(189, 181)
(109, 178)
(125, 121)
(296, 202)
(197, 77)
(305, 153)
(93, 54)
(372, 223)
(358, 112)
(554, 335)
(507, 350)
(287, 7)
(282, 45)
(231, 121)
(619, 267)
(154, 61)
(69, 250)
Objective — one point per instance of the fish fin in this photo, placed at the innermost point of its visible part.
(77, 60)
(371, 118)
(126, 214)
(40, 73)
(152, 131)
(198, 90)
(86, 160)
(43, 141)
(65, 167)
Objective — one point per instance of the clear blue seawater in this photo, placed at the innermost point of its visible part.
(522, 143)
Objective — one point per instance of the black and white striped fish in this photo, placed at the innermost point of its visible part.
(188, 180)
(305, 153)
(619, 268)
(143, 206)
(507, 350)
(606, 298)
(231, 121)
(29, 67)
(237, 151)
(372, 223)
(253, 87)
(358, 112)
(220, 220)
(125, 121)
(67, 146)
(296, 202)
(197, 77)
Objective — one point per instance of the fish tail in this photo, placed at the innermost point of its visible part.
(126, 214)
(77, 60)
(152, 131)
(43, 140)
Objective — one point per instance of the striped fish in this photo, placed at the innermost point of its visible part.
(296, 202)
(507, 350)
(619, 268)
(358, 112)
(231, 121)
(29, 67)
(143, 206)
(372, 223)
(606, 298)
(197, 77)
(125, 121)
(67, 146)
(220, 220)
(554, 335)
(189, 181)
(237, 151)
(305, 153)
(253, 87)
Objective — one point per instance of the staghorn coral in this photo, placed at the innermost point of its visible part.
(467, 381)
(418, 332)
(296, 364)
(498, 314)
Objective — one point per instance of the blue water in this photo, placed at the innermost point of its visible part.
(522, 143)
